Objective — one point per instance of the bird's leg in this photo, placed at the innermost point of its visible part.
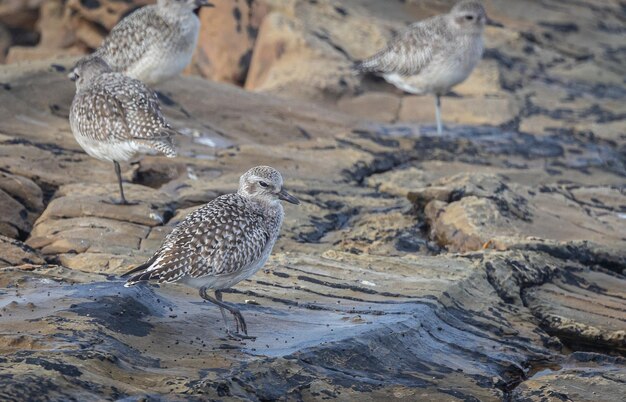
(118, 172)
(438, 112)
(240, 323)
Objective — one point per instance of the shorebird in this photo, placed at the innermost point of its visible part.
(155, 42)
(433, 55)
(222, 243)
(113, 117)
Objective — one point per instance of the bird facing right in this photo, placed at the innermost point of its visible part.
(433, 55)
(154, 43)
(224, 242)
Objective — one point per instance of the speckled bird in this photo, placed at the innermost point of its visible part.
(433, 55)
(155, 42)
(224, 242)
(113, 117)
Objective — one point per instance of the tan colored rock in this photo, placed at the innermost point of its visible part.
(14, 252)
(5, 43)
(399, 181)
(227, 35)
(293, 57)
(106, 13)
(471, 212)
(20, 203)
(471, 110)
(372, 106)
(484, 80)
(19, 13)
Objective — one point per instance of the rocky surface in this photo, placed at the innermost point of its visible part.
(485, 264)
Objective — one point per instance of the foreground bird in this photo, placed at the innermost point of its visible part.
(113, 117)
(433, 55)
(224, 242)
(155, 42)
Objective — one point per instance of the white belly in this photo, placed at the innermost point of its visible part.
(157, 66)
(218, 282)
(163, 62)
(440, 75)
(114, 151)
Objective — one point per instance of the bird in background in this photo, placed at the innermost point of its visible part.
(113, 117)
(223, 242)
(433, 55)
(155, 42)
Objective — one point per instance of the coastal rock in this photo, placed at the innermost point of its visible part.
(226, 39)
(470, 212)
(21, 201)
(485, 264)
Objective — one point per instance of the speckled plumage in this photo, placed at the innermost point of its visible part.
(225, 241)
(113, 117)
(433, 55)
(154, 43)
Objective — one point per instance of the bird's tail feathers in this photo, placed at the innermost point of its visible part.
(141, 276)
(162, 145)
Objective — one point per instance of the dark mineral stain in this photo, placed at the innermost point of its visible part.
(90, 4)
(164, 99)
(61, 368)
(567, 27)
(341, 11)
(118, 313)
(237, 16)
(58, 68)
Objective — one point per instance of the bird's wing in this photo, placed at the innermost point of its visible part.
(98, 116)
(131, 38)
(409, 51)
(220, 238)
(140, 107)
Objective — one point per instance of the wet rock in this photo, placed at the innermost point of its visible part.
(582, 307)
(364, 296)
(580, 377)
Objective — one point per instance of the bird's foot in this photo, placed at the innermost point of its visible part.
(238, 336)
(119, 202)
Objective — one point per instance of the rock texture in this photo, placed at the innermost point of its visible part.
(485, 264)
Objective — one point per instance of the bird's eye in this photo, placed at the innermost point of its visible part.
(469, 17)
(263, 184)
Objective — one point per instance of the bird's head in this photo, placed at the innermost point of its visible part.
(266, 184)
(186, 4)
(469, 16)
(87, 69)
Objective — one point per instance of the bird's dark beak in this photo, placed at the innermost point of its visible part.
(285, 196)
(72, 76)
(204, 3)
(492, 23)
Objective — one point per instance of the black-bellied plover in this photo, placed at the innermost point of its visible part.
(224, 242)
(154, 43)
(113, 116)
(433, 55)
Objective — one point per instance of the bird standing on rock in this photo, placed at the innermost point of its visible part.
(433, 55)
(155, 42)
(224, 242)
(113, 116)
